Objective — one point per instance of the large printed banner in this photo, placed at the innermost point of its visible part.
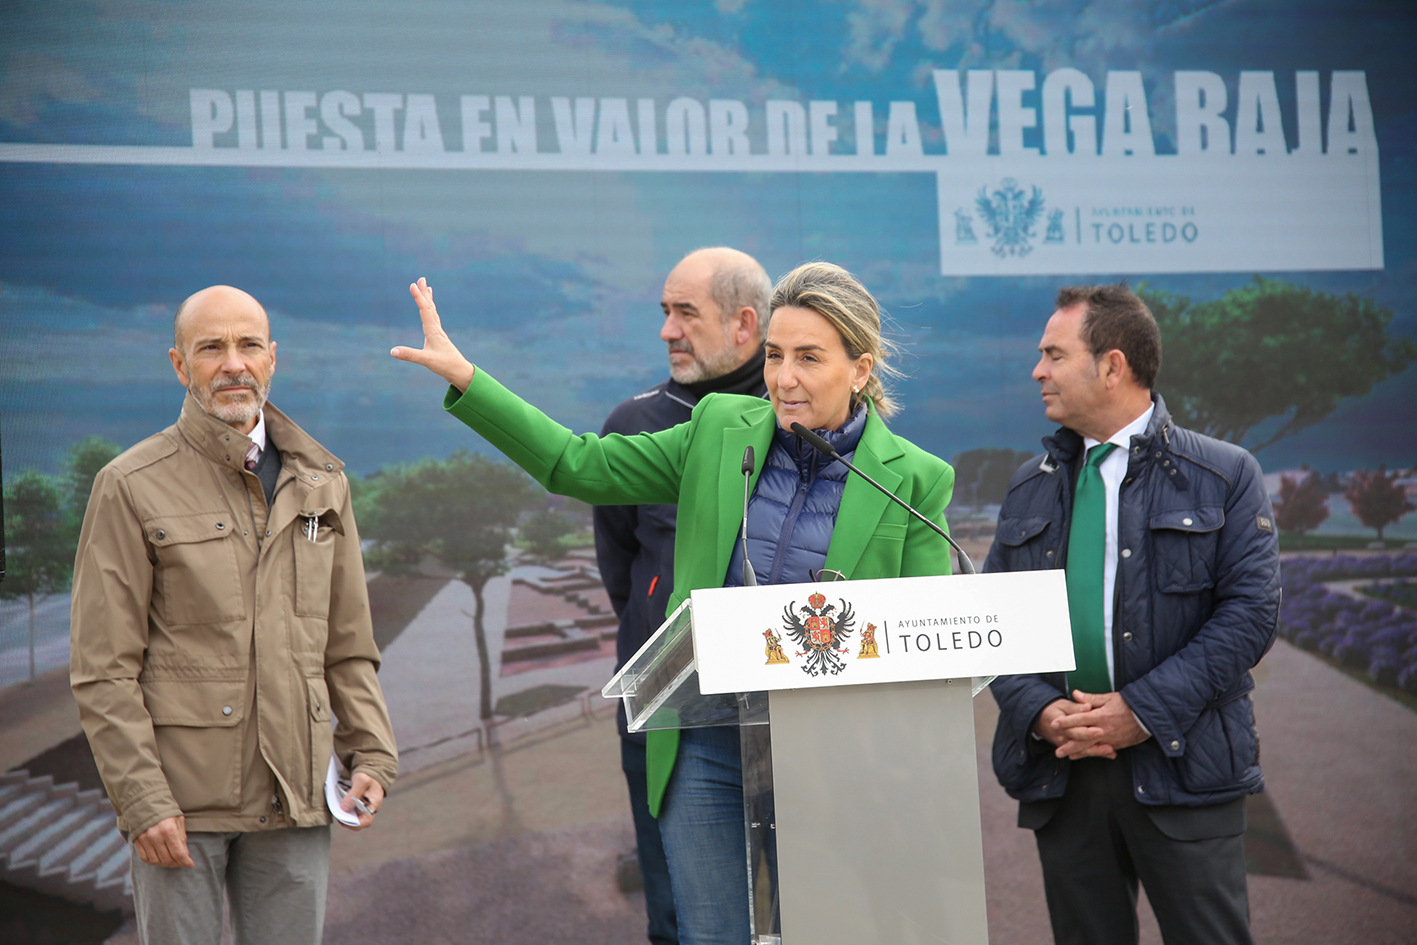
(545, 164)
(1095, 194)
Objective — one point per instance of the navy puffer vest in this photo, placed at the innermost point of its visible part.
(793, 508)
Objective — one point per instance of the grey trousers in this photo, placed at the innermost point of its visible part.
(275, 880)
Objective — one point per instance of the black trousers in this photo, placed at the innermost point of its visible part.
(1100, 841)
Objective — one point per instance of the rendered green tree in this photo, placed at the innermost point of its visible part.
(39, 552)
(1270, 349)
(81, 464)
(364, 493)
(1376, 498)
(543, 530)
(459, 511)
(1302, 504)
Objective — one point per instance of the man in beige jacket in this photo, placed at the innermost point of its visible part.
(220, 621)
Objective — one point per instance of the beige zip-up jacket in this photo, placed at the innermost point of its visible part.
(213, 638)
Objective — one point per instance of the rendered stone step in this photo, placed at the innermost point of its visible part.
(20, 807)
(57, 858)
(33, 846)
(11, 787)
(64, 842)
(69, 789)
(94, 799)
(86, 862)
(116, 866)
(35, 819)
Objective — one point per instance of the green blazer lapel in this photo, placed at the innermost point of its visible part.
(755, 429)
(862, 504)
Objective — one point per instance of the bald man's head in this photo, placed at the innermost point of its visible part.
(715, 303)
(222, 296)
(737, 281)
(223, 354)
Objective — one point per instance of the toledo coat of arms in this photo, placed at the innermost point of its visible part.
(821, 630)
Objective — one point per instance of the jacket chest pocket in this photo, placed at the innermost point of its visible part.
(1031, 543)
(314, 533)
(196, 579)
(1184, 543)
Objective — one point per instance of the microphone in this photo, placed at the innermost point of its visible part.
(822, 446)
(749, 578)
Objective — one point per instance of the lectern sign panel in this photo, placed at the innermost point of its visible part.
(798, 636)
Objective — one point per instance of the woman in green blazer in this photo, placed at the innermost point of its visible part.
(824, 352)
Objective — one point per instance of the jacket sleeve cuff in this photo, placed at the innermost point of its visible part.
(147, 811)
(459, 402)
(1037, 744)
(1156, 723)
(1037, 701)
(382, 770)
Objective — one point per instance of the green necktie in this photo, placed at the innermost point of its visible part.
(1087, 539)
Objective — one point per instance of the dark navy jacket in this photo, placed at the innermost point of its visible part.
(1196, 605)
(634, 544)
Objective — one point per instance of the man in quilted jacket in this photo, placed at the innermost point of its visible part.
(1135, 767)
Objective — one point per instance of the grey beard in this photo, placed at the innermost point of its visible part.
(701, 369)
(236, 412)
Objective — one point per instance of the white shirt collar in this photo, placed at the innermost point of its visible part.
(1122, 437)
(258, 435)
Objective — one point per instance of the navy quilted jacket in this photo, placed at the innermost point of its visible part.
(1196, 606)
(793, 509)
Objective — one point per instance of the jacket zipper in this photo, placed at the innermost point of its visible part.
(251, 509)
(277, 808)
(793, 511)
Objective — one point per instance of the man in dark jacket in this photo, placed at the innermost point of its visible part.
(715, 310)
(1136, 765)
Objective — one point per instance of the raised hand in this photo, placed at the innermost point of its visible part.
(438, 353)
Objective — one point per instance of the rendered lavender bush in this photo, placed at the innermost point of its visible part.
(1363, 633)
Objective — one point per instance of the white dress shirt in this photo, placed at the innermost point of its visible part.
(258, 435)
(1114, 470)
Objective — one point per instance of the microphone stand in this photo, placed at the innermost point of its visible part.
(749, 578)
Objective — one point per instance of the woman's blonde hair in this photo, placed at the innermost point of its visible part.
(834, 294)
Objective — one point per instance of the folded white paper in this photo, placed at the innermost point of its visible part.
(334, 794)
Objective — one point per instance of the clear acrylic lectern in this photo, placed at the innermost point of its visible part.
(861, 803)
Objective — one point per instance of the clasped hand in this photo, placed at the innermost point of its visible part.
(1090, 725)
